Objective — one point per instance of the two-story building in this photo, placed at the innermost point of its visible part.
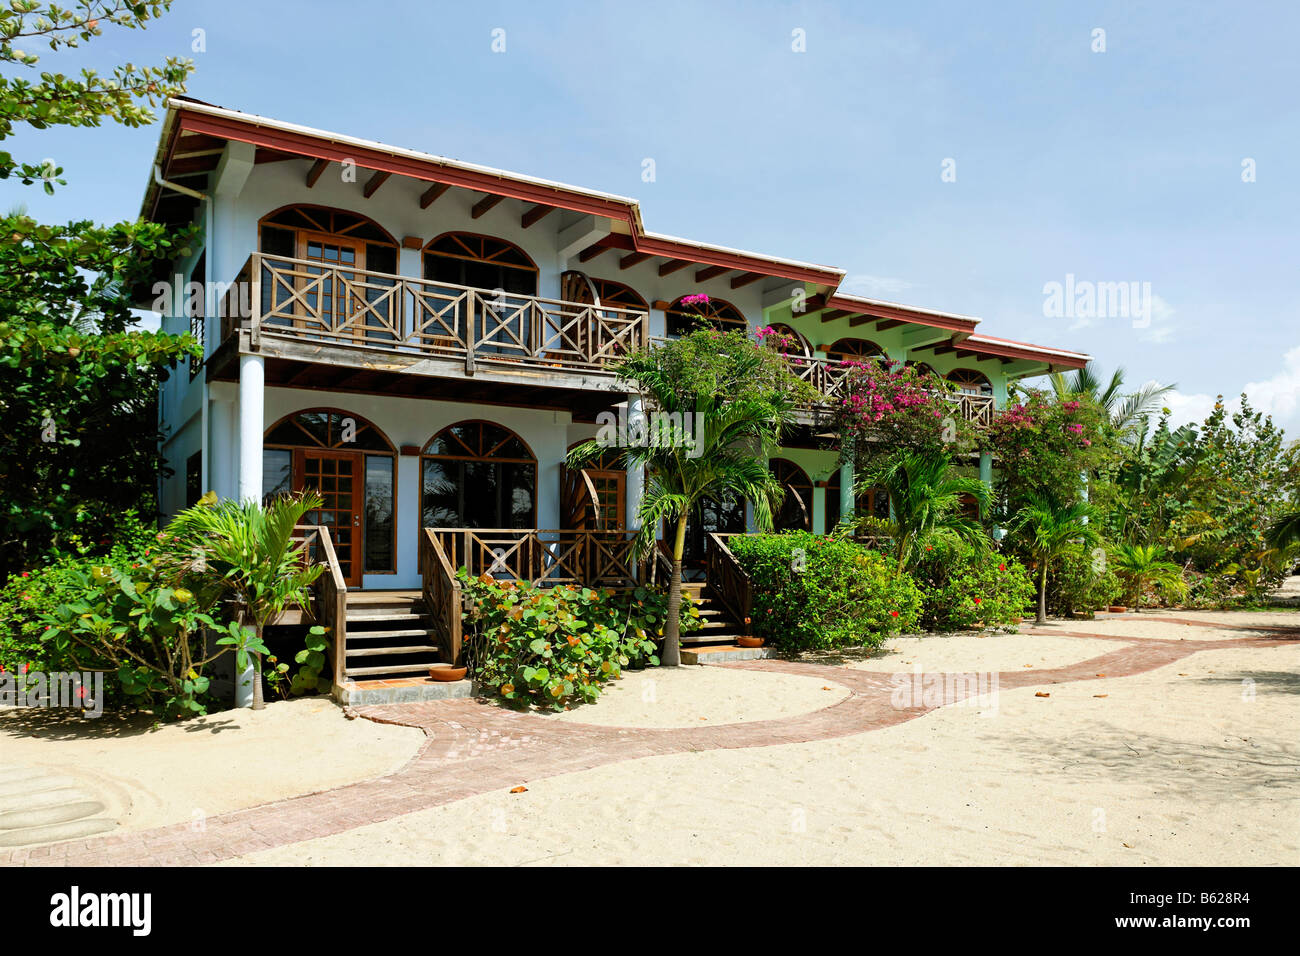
(422, 340)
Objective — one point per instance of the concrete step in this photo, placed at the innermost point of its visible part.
(709, 637)
(391, 669)
(717, 653)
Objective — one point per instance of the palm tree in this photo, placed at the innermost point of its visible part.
(1125, 410)
(249, 550)
(925, 496)
(1052, 528)
(1141, 566)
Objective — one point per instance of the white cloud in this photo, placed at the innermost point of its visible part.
(1278, 396)
(874, 287)
(1161, 328)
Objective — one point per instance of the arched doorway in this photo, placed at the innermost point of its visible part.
(503, 277)
(351, 465)
(594, 498)
(682, 317)
(341, 284)
(970, 382)
(795, 513)
(610, 332)
(477, 474)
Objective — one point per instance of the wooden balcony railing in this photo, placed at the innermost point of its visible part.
(339, 305)
(545, 558)
(829, 375)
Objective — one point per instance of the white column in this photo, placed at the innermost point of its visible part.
(635, 477)
(252, 398)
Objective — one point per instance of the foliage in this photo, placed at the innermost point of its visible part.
(733, 398)
(1141, 569)
(925, 499)
(312, 675)
(1126, 412)
(142, 623)
(556, 647)
(1044, 446)
(249, 551)
(1050, 529)
(78, 432)
(1083, 580)
(967, 587)
(882, 407)
(812, 591)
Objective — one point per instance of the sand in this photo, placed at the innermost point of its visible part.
(980, 653)
(691, 696)
(1183, 766)
(1162, 630)
(150, 776)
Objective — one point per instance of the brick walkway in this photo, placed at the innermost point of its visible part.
(475, 747)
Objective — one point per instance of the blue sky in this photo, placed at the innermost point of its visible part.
(1123, 165)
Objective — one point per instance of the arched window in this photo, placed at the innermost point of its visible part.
(350, 463)
(795, 513)
(343, 304)
(682, 317)
(482, 262)
(873, 502)
(504, 274)
(923, 369)
(786, 339)
(477, 474)
(854, 350)
(970, 382)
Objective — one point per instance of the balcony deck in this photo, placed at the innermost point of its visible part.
(308, 312)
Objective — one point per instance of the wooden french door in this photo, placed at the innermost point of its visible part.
(337, 477)
(334, 304)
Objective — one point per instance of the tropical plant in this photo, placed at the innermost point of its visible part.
(723, 401)
(926, 503)
(1126, 411)
(1141, 567)
(79, 442)
(1051, 528)
(249, 553)
(812, 591)
(967, 587)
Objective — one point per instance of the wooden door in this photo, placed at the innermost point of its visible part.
(337, 477)
(331, 303)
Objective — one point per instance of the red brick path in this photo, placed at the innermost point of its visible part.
(475, 747)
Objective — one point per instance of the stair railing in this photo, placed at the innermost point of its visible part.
(331, 610)
(442, 595)
(728, 579)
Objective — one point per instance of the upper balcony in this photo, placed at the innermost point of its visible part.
(286, 301)
(306, 310)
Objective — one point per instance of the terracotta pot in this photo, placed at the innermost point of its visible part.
(446, 672)
(749, 641)
(1117, 609)
(1016, 620)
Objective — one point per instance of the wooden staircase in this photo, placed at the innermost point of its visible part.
(389, 634)
(720, 626)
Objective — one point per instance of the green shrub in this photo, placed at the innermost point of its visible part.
(813, 592)
(555, 647)
(966, 588)
(1081, 580)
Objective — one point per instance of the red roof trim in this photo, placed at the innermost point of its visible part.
(902, 314)
(432, 171)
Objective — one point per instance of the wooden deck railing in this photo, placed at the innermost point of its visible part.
(829, 375)
(442, 595)
(728, 579)
(339, 305)
(331, 600)
(545, 558)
